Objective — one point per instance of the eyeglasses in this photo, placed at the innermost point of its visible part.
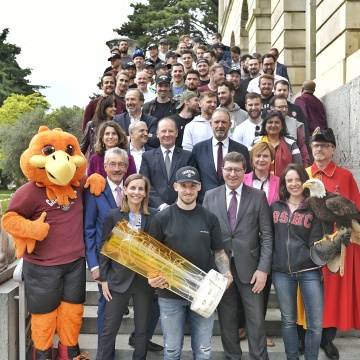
(235, 170)
(281, 107)
(115, 165)
(277, 112)
(321, 146)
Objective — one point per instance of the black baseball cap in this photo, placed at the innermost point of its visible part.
(163, 78)
(152, 45)
(148, 63)
(186, 174)
(234, 68)
(163, 41)
(202, 61)
(171, 53)
(161, 65)
(114, 56)
(130, 64)
(323, 135)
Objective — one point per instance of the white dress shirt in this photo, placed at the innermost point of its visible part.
(215, 147)
(137, 155)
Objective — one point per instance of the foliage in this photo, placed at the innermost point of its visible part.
(15, 105)
(12, 77)
(15, 138)
(68, 119)
(170, 19)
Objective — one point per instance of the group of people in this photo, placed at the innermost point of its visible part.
(202, 149)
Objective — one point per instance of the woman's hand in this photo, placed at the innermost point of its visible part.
(106, 291)
(158, 282)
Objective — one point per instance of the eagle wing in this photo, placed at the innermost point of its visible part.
(342, 206)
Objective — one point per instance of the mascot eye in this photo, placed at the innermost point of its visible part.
(48, 149)
(70, 150)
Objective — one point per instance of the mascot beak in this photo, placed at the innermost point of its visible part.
(306, 185)
(59, 166)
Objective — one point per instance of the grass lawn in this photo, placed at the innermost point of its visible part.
(5, 198)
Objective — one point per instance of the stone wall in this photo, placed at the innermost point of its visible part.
(343, 113)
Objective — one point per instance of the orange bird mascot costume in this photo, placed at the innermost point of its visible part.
(45, 218)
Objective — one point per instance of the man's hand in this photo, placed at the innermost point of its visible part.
(106, 291)
(95, 275)
(158, 282)
(229, 278)
(259, 281)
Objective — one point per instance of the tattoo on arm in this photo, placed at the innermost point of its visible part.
(222, 261)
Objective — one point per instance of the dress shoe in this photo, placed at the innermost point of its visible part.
(151, 346)
(154, 347)
(330, 349)
(301, 346)
(127, 311)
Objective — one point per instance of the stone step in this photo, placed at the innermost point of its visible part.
(89, 325)
(348, 347)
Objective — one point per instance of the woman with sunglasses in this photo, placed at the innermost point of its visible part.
(119, 283)
(274, 131)
(296, 229)
(110, 135)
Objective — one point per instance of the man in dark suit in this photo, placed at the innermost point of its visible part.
(95, 210)
(246, 226)
(160, 165)
(134, 100)
(208, 155)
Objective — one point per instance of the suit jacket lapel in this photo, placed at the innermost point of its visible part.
(126, 123)
(209, 153)
(109, 195)
(244, 201)
(221, 202)
(174, 161)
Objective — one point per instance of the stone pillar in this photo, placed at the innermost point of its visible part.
(133, 44)
(259, 26)
(310, 41)
(288, 36)
(337, 39)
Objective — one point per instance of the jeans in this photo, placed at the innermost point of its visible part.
(173, 313)
(313, 297)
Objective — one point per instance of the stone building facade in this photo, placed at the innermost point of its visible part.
(316, 39)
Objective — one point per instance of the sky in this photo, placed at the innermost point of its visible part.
(63, 42)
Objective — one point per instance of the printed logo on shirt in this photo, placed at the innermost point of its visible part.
(297, 219)
(62, 207)
(204, 231)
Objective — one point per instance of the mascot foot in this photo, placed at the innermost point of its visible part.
(70, 353)
(47, 354)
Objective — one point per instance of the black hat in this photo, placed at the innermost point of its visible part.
(163, 41)
(202, 61)
(234, 68)
(216, 46)
(148, 63)
(152, 45)
(188, 173)
(171, 53)
(161, 65)
(114, 56)
(163, 78)
(137, 53)
(130, 64)
(323, 135)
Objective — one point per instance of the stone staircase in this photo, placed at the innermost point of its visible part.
(348, 343)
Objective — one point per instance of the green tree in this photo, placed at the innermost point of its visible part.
(171, 19)
(12, 76)
(16, 105)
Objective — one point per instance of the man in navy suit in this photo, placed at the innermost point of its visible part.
(209, 153)
(134, 100)
(160, 165)
(96, 208)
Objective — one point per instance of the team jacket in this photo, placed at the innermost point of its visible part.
(294, 235)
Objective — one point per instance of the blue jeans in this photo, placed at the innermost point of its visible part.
(173, 313)
(313, 297)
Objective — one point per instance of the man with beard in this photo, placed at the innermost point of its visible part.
(138, 59)
(226, 91)
(115, 61)
(162, 68)
(142, 80)
(188, 60)
(202, 67)
(199, 128)
(221, 58)
(210, 57)
(188, 107)
(244, 61)
(134, 100)
(154, 54)
(138, 132)
(162, 106)
(192, 81)
(246, 132)
(234, 76)
(130, 68)
(108, 84)
(209, 153)
(200, 52)
(217, 75)
(125, 57)
(266, 86)
(122, 84)
(268, 65)
(178, 83)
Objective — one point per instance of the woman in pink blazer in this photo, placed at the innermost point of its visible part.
(261, 156)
